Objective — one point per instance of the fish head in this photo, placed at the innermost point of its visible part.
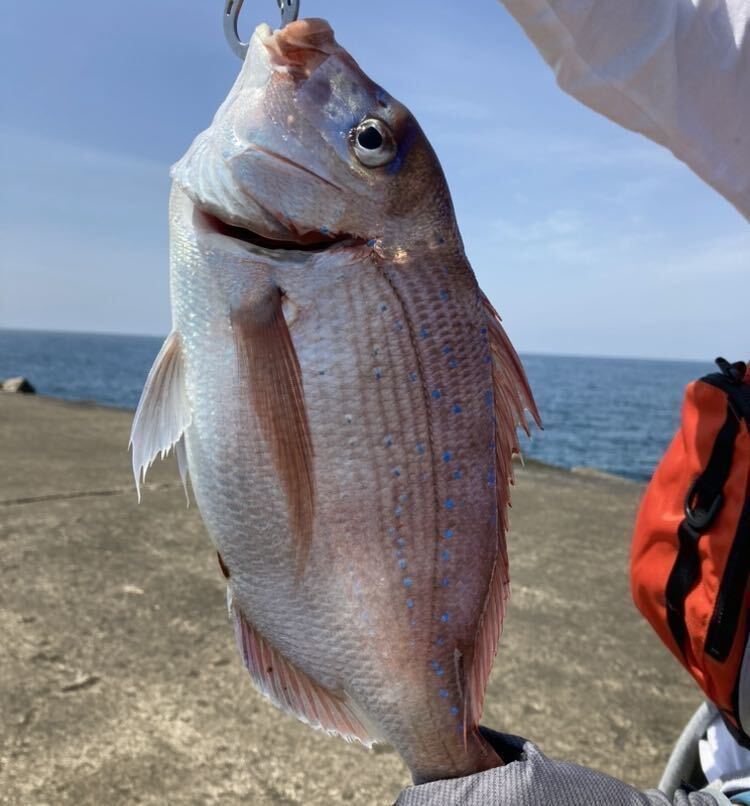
(307, 149)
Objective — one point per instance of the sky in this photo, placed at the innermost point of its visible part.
(589, 239)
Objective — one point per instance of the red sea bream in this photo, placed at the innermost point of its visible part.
(345, 402)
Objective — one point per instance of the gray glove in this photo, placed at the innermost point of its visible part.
(529, 778)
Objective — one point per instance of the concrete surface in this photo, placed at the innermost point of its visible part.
(120, 683)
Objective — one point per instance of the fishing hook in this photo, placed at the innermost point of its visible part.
(289, 13)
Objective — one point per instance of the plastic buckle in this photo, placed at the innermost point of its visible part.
(701, 518)
(735, 373)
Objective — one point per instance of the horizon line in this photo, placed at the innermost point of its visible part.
(530, 353)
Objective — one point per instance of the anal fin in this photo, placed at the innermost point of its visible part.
(292, 690)
(163, 413)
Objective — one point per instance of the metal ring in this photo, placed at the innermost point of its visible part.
(289, 12)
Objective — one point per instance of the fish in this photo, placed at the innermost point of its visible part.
(344, 401)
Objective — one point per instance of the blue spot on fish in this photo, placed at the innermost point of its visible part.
(398, 512)
(447, 456)
(444, 294)
(453, 363)
(449, 503)
(396, 472)
(401, 542)
(447, 350)
(445, 618)
(483, 331)
(444, 693)
(421, 448)
(454, 710)
(448, 534)
(412, 376)
(488, 398)
(399, 326)
(388, 440)
(378, 374)
(457, 474)
(437, 394)
(446, 555)
(424, 333)
(457, 409)
(371, 242)
(440, 641)
(410, 603)
(445, 582)
(491, 476)
(383, 307)
(402, 564)
(324, 230)
(408, 582)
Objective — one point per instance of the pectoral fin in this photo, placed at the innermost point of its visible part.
(269, 362)
(163, 413)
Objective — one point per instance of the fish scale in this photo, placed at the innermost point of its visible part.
(344, 400)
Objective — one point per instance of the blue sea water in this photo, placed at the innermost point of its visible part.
(616, 415)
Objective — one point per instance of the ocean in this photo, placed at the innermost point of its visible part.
(612, 414)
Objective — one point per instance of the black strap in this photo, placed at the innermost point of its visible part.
(703, 500)
(722, 628)
(702, 505)
(682, 579)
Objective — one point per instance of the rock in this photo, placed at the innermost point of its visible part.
(19, 385)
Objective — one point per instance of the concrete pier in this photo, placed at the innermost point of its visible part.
(120, 682)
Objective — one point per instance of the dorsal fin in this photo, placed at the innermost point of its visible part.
(512, 396)
(292, 690)
(163, 413)
(269, 361)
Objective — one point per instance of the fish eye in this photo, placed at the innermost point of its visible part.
(373, 143)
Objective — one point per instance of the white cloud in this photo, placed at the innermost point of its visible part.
(84, 238)
(564, 237)
(572, 285)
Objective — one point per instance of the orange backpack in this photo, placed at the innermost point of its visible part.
(690, 559)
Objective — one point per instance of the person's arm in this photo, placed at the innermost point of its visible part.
(677, 71)
(529, 778)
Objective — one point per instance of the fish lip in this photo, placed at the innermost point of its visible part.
(300, 47)
(306, 243)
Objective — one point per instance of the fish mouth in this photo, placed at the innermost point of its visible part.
(307, 242)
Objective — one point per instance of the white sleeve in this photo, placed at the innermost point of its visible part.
(677, 71)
